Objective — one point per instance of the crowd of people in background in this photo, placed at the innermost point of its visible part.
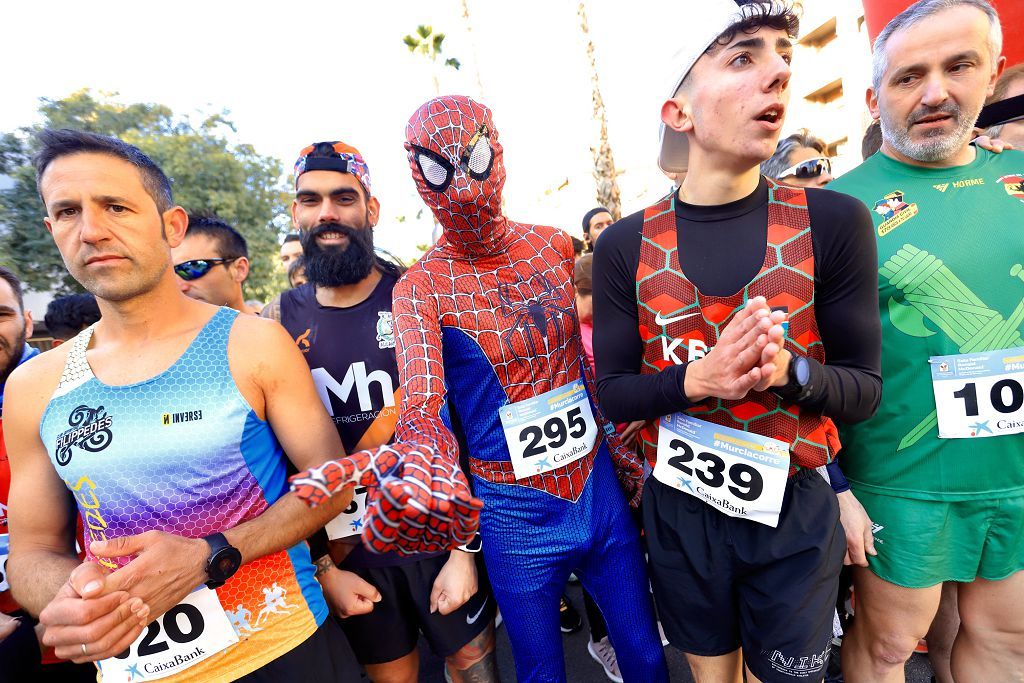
(754, 371)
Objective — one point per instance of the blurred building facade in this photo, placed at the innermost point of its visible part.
(831, 73)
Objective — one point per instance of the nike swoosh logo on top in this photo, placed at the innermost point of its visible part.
(658, 320)
(472, 619)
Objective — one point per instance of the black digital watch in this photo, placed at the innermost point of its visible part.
(224, 560)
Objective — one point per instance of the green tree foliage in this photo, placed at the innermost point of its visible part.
(208, 173)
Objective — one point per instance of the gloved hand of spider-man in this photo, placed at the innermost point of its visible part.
(416, 501)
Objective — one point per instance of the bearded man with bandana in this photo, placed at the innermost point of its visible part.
(491, 364)
(341, 321)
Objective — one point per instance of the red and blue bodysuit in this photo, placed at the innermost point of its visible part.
(489, 354)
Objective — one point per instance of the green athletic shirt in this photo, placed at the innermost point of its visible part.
(971, 219)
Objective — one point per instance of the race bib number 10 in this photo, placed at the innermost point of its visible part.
(188, 633)
(979, 394)
(739, 473)
(350, 521)
(549, 431)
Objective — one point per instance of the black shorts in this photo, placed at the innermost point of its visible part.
(324, 656)
(21, 659)
(721, 583)
(392, 629)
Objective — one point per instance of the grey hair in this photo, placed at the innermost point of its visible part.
(922, 9)
(779, 162)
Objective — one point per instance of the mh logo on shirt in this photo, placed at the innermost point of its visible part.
(90, 431)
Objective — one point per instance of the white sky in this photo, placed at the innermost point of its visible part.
(298, 72)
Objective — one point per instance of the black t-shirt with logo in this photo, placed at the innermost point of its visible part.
(351, 354)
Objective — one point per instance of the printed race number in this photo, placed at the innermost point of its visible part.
(549, 431)
(979, 394)
(350, 521)
(189, 632)
(745, 482)
(739, 473)
(556, 431)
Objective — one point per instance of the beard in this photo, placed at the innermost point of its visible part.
(13, 353)
(937, 146)
(342, 265)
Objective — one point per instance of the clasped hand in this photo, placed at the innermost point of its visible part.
(749, 356)
(97, 615)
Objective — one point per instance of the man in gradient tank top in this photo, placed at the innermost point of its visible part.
(168, 423)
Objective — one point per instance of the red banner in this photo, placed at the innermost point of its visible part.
(1011, 13)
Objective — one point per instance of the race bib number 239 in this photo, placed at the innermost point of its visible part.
(741, 474)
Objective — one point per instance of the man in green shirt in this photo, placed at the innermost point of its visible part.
(940, 468)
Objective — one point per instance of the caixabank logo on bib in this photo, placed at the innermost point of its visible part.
(90, 431)
(894, 210)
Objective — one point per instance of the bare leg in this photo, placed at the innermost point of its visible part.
(942, 632)
(990, 644)
(402, 670)
(721, 669)
(475, 662)
(890, 620)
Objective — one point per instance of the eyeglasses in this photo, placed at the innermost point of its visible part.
(812, 168)
(196, 268)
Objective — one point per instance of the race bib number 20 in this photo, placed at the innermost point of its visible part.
(188, 633)
(741, 474)
(979, 394)
(550, 430)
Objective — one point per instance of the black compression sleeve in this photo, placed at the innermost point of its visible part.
(849, 386)
(624, 393)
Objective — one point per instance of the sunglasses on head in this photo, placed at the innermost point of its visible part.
(812, 168)
(196, 268)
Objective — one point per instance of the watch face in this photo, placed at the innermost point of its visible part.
(224, 563)
(803, 371)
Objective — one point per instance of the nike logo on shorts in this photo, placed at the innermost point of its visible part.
(472, 619)
(658, 320)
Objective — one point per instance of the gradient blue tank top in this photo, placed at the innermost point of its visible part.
(183, 452)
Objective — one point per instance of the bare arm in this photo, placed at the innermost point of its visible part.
(42, 530)
(272, 311)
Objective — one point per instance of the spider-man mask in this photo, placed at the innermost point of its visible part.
(457, 164)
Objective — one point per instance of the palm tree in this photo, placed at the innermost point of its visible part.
(604, 163)
(472, 46)
(424, 41)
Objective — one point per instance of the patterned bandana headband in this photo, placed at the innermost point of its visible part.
(333, 156)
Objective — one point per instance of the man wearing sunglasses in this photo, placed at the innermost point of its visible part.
(212, 263)
(341, 320)
(800, 161)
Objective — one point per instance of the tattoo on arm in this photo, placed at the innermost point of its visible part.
(273, 309)
(324, 564)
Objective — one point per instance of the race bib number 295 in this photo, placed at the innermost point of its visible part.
(549, 431)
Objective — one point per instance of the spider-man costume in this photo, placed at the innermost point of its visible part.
(484, 321)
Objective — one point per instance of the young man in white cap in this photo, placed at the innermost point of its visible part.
(940, 469)
(715, 310)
